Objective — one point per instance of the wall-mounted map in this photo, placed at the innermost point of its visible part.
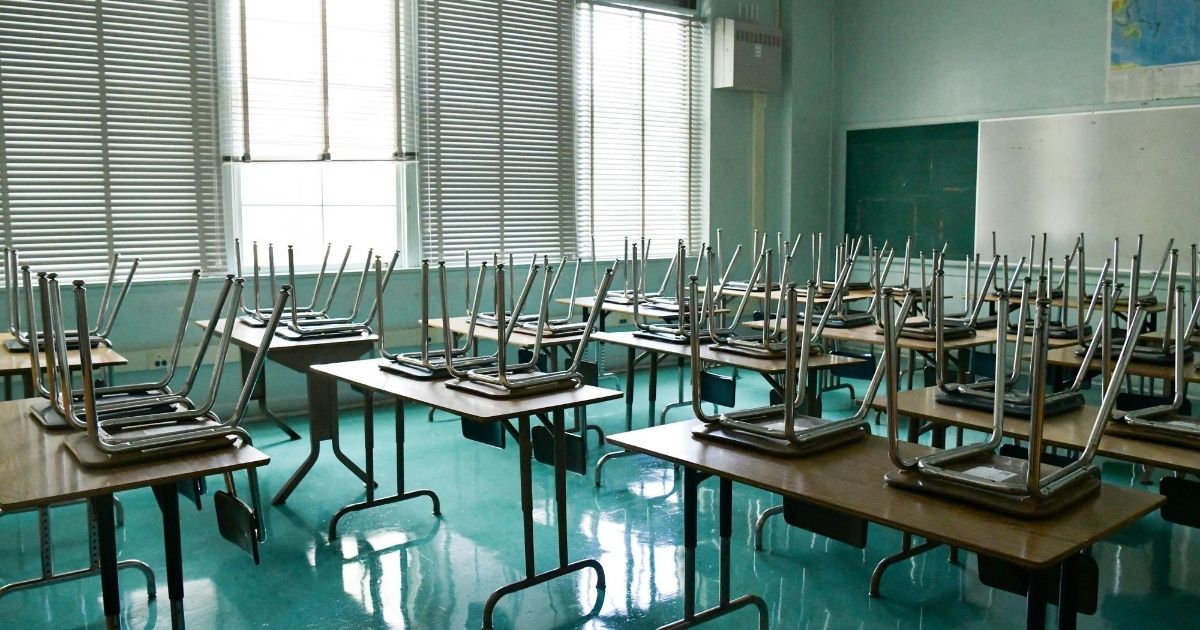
(1154, 49)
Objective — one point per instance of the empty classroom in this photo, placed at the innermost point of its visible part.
(606, 314)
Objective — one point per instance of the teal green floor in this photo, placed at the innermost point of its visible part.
(399, 566)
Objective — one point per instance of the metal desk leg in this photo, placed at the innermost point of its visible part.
(168, 504)
(50, 576)
(652, 387)
(630, 364)
(1068, 593)
(691, 481)
(323, 418)
(259, 394)
(813, 400)
(1035, 600)
(106, 547)
(907, 551)
(630, 376)
(560, 498)
(369, 439)
(8, 387)
(761, 523)
(662, 417)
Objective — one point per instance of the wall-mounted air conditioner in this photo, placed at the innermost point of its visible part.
(746, 56)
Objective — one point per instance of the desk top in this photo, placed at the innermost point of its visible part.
(460, 325)
(1157, 336)
(1066, 357)
(589, 301)
(1072, 302)
(871, 335)
(1069, 430)
(434, 393)
(12, 363)
(299, 355)
(708, 353)
(850, 479)
(852, 295)
(37, 468)
(248, 337)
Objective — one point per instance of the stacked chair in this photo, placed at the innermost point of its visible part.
(106, 317)
(976, 473)
(678, 307)
(310, 322)
(508, 380)
(1167, 422)
(781, 429)
(982, 394)
(428, 362)
(119, 425)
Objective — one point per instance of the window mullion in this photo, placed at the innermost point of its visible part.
(245, 82)
(325, 80)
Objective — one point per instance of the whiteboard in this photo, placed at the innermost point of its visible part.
(1107, 174)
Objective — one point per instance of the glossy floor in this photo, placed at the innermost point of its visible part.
(401, 567)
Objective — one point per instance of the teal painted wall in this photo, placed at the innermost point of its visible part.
(919, 60)
(905, 62)
(798, 141)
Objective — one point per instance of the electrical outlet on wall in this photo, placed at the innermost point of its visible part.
(160, 361)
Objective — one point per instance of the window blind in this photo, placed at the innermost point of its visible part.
(108, 135)
(640, 98)
(496, 126)
(314, 79)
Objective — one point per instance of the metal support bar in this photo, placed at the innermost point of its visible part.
(761, 523)
(48, 574)
(323, 425)
(259, 394)
(907, 551)
(369, 445)
(533, 578)
(691, 618)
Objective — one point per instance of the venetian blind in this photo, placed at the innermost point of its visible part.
(640, 100)
(496, 126)
(108, 135)
(314, 79)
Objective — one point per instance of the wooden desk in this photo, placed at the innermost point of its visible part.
(872, 336)
(1066, 357)
(520, 338)
(1068, 430)
(38, 471)
(654, 349)
(294, 355)
(851, 296)
(587, 303)
(1157, 336)
(476, 411)
(18, 364)
(849, 480)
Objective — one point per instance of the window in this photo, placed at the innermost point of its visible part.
(496, 127)
(640, 113)
(315, 119)
(108, 135)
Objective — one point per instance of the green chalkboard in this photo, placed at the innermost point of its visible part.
(917, 181)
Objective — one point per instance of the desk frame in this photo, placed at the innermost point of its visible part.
(323, 388)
